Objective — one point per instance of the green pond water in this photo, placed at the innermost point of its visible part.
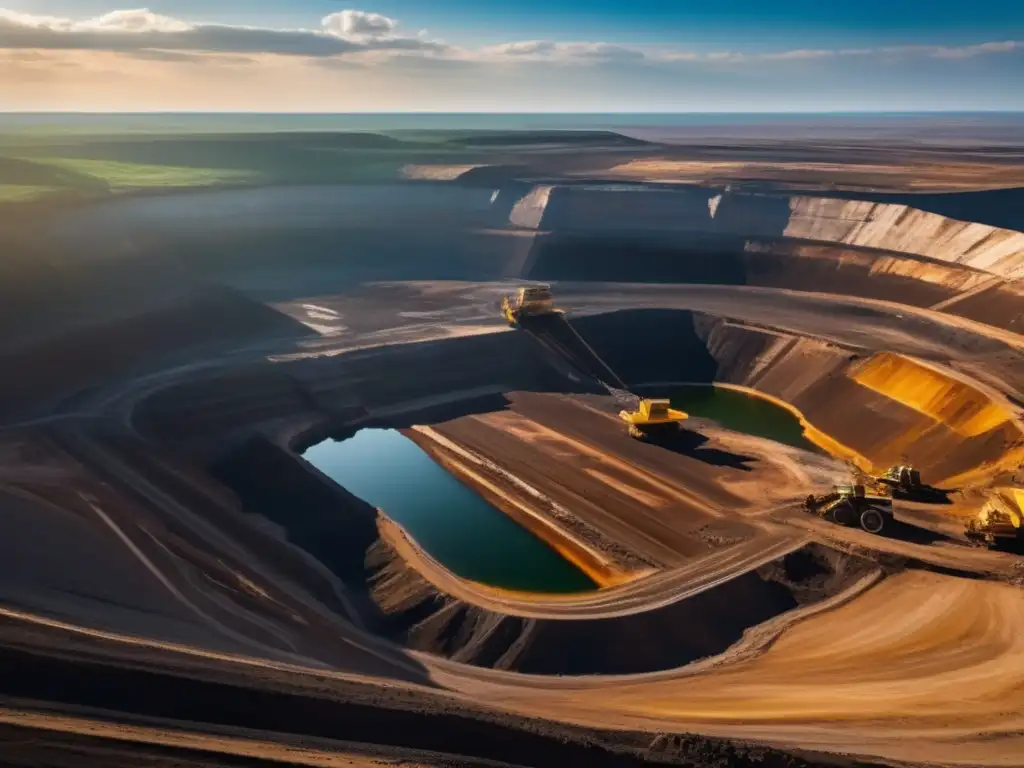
(450, 521)
(740, 412)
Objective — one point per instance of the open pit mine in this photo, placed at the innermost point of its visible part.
(504, 472)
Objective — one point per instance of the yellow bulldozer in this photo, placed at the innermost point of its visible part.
(1000, 523)
(530, 300)
(653, 419)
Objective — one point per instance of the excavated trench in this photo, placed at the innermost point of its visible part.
(953, 431)
(342, 532)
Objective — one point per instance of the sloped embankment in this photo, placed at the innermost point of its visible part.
(421, 616)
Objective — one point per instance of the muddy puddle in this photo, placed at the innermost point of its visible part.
(449, 520)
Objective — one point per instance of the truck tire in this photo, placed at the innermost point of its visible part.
(872, 520)
(844, 514)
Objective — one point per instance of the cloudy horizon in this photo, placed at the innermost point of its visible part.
(355, 60)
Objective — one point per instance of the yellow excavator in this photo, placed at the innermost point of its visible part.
(530, 300)
(654, 419)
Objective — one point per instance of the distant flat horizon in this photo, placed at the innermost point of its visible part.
(946, 127)
(199, 113)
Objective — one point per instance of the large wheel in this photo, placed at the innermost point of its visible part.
(872, 520)
(844, 513)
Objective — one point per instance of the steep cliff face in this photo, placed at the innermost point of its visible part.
(898, 229)
(902, 229)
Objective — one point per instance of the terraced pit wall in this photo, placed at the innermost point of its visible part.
(308, 400)
(695, 235)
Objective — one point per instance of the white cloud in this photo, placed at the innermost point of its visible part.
(135, 30)
(549, 50)
(374, 38)
(358, 24)
(966, 52)
(138, 20)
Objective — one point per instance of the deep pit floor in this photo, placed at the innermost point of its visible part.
(640, 506)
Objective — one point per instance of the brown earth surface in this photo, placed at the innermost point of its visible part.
(178, 585)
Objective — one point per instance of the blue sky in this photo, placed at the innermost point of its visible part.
(690, 21)
(653, 55)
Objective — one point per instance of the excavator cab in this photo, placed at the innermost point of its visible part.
(653, 419)
(530, 300)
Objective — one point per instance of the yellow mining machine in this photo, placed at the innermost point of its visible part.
(851, 505)
(903, 478)
(653, 419)
(530, 300)
(1000, 523)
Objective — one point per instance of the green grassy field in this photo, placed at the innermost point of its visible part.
(117, 174)
(47, 164)
(80, 160)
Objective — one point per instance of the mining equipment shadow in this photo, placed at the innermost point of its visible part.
(925, 494)
(902, 530)
(690, 443)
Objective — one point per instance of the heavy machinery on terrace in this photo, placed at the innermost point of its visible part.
(1000, 523)
(653, 420)
(532, 308)
(852, 505)
(529, 301)
(903, 478)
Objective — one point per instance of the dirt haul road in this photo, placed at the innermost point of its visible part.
(941, 684)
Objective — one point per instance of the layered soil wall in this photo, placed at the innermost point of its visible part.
(877, 226)
(386, 385)
(694, 235)
(877, 411)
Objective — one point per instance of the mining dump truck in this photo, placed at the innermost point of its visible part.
(530, 300)
(653, 420)
(852, 505)
(999, 524)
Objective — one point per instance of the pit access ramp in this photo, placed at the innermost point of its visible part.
(555, 333)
